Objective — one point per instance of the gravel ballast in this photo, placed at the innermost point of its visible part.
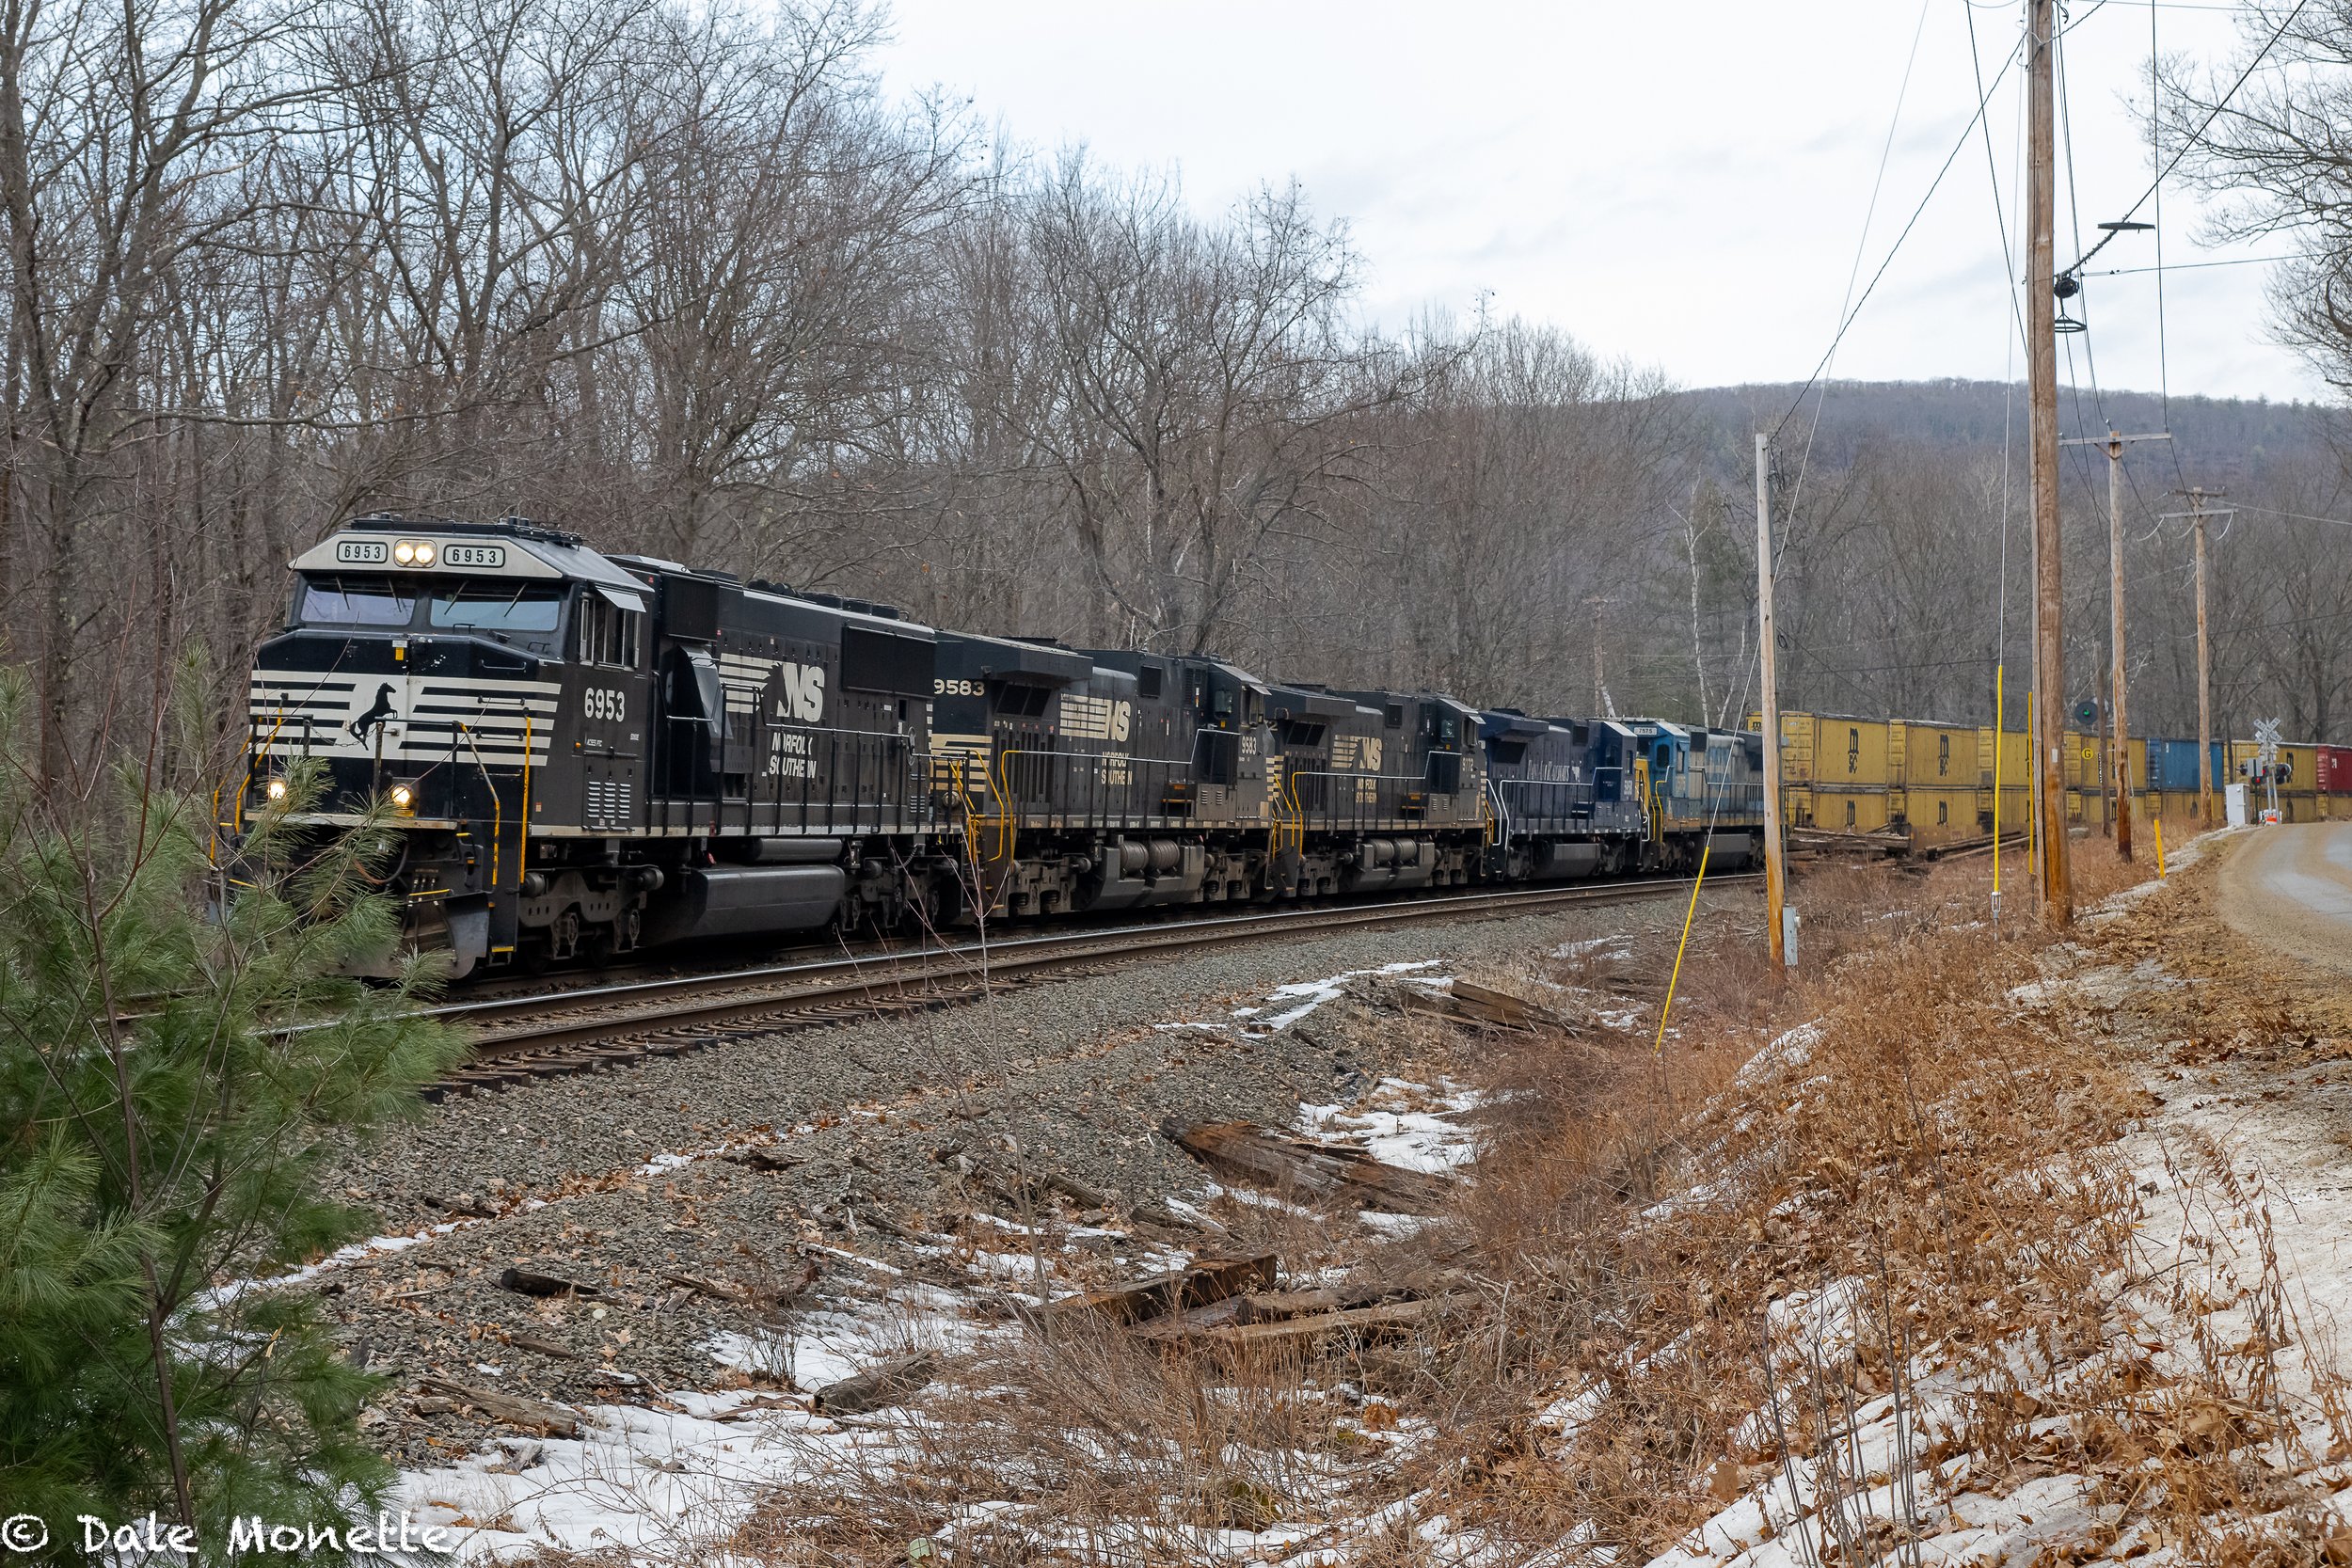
(625, 1178)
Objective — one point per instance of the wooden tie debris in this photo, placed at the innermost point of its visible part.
(1467, 1003)
(553, 1421)
(1197, 1284)
(1227, 1306)
(886, 1383)
(1311, 1317)
(1319, 1328)
(528, 1283)
(1284, 1163)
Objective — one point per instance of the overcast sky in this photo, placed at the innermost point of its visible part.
(1683, 184)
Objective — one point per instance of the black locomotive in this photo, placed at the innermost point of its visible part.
(590, 753)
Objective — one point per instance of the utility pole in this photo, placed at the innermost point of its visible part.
(2120, 755)
(2204, 681)
(2058, 891)
(1776, 873)
(2197, 496)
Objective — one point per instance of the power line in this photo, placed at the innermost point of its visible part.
(2085, 468)
(2155, 137)
(1861, 243)
(2190, 267)
(1933, 185)
(2299, 516)
(2199, 135)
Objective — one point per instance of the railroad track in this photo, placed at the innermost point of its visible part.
(599, 1028)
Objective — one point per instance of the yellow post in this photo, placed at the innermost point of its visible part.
(1998, 718)
(2157, 822)
(1666, 1006)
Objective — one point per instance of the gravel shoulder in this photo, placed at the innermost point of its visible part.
(747, 1163)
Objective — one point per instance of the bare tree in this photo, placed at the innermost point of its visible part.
(123, 131)
(1202, 373)
(785, 217)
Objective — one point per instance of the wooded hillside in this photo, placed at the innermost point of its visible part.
(696, 283)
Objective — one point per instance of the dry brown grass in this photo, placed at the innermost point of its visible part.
(1655, 1234)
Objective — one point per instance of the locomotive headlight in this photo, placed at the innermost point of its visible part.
(404, 797)
(424, 552)
(405, 552)
(275, 789)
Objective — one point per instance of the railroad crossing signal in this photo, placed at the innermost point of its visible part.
(2266, 757)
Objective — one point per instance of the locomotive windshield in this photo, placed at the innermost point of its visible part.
(496, 607)
(355, 601)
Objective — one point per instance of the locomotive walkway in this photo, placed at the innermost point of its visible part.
(2289, 888)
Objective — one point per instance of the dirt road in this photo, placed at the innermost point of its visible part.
(2289, 888)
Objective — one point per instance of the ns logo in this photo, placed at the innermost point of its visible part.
(803, 695)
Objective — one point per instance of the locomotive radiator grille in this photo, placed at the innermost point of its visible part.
(608, 802)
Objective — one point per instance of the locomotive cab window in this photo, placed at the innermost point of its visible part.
(1393, 715)
(494, 607)
(607, 634)
(355, 601)
(1148, 681)
(1222, 702)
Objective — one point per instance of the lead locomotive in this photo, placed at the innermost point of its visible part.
(588, 754)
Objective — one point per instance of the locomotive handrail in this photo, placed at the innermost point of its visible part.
(1577, 793)
(1331, 816)
(1100, 766)
(852, 766)
(1297, 819)
(1006, 831)
(497, 808)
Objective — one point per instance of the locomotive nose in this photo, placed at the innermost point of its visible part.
(420, 719)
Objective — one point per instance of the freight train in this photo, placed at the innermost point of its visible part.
(1929, 787)
(588, 754)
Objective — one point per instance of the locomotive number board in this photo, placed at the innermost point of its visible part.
(379, 552)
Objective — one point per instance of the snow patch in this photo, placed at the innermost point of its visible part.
(1403, 1124)
(1305, 996)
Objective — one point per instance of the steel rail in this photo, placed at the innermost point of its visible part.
(641, 1008)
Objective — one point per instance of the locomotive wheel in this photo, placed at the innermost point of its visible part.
(606, 941)
(563, 935)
